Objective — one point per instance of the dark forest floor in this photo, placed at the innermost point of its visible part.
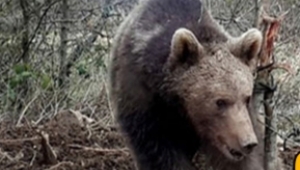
(68, 142)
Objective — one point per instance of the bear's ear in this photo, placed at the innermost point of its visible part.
(185, 49)
(247, 47)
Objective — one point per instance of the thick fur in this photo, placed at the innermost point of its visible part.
(153, 83)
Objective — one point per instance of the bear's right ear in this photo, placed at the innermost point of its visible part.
(247, 47)
(185, 49)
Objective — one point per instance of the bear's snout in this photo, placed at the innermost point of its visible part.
(247, 139)
(247, 147)
(239, 136)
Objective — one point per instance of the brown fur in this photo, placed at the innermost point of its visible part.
(179, 83)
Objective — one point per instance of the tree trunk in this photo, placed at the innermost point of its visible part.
(63, 44)
(264, 84)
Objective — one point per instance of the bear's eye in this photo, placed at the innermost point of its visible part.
(221, 103)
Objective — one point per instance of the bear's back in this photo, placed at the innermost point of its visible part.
(143, 39)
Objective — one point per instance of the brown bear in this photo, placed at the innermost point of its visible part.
(178, 83)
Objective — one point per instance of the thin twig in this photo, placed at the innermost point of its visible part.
(25, 109)
(56, 166)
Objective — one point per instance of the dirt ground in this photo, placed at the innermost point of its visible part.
(69, 141)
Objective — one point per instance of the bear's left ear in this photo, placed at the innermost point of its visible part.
(185, 49)
(247, 47)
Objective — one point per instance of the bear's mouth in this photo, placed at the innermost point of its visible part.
(233, 154)
(230, 153)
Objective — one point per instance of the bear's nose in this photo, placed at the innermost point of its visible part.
(249, 147)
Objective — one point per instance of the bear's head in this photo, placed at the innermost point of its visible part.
(215, 82)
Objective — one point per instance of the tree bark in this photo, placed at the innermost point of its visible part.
(25, 35)
(265, 85)
(63, 44)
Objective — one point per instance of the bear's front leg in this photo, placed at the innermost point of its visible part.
(169, 160)
(157, 143)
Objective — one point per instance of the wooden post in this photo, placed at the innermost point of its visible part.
(265, 87)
